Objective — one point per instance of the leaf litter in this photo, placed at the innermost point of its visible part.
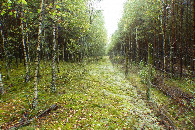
(95, 96)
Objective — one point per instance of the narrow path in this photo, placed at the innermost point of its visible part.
(113, 86)
(98, 96)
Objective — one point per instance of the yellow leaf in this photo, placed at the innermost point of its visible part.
(24, 2)
(57, 7)
(10, 13)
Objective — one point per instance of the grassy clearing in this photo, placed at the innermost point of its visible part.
(89, 95)
(179, 110)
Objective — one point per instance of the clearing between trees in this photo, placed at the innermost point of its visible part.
(92, 94)
(89, 95)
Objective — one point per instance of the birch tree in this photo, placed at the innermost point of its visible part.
(53, 86)
(24, 45)
(37, 56)
(1, 86)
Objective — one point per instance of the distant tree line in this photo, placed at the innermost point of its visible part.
(168, 25)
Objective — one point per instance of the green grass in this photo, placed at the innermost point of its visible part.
(187, 84)
(91, 95)
(183, 118)
(182, 115)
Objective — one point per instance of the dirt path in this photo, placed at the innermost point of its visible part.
(97, 96)
(113, 85)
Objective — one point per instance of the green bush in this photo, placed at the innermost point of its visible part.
(144, 72)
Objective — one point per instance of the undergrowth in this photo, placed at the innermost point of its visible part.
(89, 95)
(178, 108)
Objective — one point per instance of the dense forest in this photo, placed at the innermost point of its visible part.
(158, 36)
(58, 71)
(163, 29)
(33, 31)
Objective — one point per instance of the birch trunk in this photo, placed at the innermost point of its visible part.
(53, 87)
(37, 58)
(5, 50)
(1, 86)
(53, 59)
(58, 56)
(24, 48)
(163, 22)
(149, 70)
(29, 58)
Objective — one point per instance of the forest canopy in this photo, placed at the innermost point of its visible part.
(75, 22)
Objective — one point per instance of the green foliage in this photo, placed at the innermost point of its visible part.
(142, 28)
(79, 35)
(144, 72)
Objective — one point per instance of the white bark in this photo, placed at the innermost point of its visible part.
(37, 57)
(24, 49)
(53, 59)
(1, 86)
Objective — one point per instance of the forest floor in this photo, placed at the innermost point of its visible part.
(94, 95)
